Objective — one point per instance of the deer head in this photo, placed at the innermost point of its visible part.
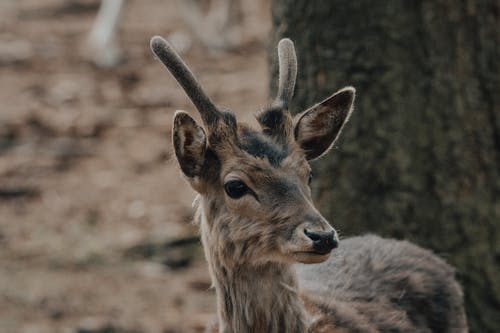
(256, 204)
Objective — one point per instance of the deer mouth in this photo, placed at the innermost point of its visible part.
(311, 257)
(316, 252)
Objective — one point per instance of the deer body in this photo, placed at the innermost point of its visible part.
(369, 284)
(268, 248)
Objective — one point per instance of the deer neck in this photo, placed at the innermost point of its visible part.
(250, 298)
(260, 299)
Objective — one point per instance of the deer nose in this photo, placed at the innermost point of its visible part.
(323, 241)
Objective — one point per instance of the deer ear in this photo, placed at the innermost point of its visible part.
(317, 128)
(190, 143)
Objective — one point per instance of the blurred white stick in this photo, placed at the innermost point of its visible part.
(104, 49)
(218, 28)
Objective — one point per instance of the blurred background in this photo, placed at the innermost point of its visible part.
(95, 220)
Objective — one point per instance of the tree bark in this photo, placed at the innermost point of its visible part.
(420, 157)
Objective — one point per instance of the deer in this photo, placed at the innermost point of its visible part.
(275, 262)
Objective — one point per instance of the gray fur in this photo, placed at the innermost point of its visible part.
(386, 286)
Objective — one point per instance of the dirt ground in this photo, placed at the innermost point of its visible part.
(95, 232)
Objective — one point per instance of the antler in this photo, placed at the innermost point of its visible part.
(287, 73)
(176, 66)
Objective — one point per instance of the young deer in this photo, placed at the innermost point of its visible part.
(257, 220)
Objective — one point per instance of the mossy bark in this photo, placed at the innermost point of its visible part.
(420, 157)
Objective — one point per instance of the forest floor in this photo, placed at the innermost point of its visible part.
(92, 204)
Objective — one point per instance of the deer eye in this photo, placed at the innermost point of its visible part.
(310, 177)
(236, 189)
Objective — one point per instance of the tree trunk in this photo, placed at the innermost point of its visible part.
(420, 158)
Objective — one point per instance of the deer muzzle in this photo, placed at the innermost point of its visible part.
(323, 241)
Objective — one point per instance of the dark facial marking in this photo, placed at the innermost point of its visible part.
(271, 120)
(256, 144)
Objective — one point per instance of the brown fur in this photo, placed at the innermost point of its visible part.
(257, 234)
